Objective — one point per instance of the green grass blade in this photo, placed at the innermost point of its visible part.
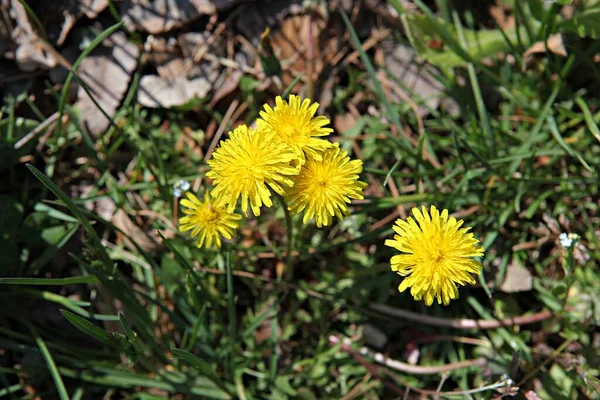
(51, 251)
(11, 389)
(65, 91)
(589, 118)
(73, 208)
(542, 116)
(257, 321)
(231, 311)
(127, 328)
(200, 365)
(50, 281)
(559, 139)
(481, 110)
(60, 386)
(87, 327)
(91, 96)
(289, 89)
(36, 20)
(71, 304)
(391, 111)
(183, 262)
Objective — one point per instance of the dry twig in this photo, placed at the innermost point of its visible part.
(462, 323)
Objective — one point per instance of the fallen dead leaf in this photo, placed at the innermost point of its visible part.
(343, 122)
(159, 51)
(404, 64)
(253, 19)
(555, 45)
(193, 45)
(106, 72)
(122, 221)
(156, 92)
(30, 54)
(163, 15)
(91, 8)
(5, 28)
(502, 15)
(531, 395)
(75, 9)
(517, 279)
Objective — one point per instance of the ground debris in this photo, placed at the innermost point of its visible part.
(106, 72)
(30, 54)
(157, 92)
(405, 65)
(163, 15)
(517, 279)
(554, 44)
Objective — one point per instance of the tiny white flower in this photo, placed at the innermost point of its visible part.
(180, 186)
(565, 240)
(184, 185)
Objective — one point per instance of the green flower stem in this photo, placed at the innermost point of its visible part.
(289, 273)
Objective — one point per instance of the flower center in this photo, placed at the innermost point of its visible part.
(437, 257)
(293, 131)
(209, 215)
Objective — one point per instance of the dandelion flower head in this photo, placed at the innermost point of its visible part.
(296, 125)
(246, 165)
(436, 255)
(325, 186)
(207, 221)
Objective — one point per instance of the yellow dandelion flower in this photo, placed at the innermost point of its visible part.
(436, 255)
(295, 123)
(246, 165)
(325, 186)
(207, 220)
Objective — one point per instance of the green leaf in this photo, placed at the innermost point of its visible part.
(422, 31)
(283, 383)
(585, 24)
(87, 327)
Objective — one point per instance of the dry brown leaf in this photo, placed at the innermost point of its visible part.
(196, 44)
(156, 92)
(5, 28)
(343, 122)
(159, 50)
(290, 43)
(91, 8)
(555, 44)
(531, 395)
(75, 9)
(106, 72)
(30, 54)
(517, 279)
(188, 67)
(159, 16)
(254, 18)
(502, 15)
(124, 223)
(404, 63)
